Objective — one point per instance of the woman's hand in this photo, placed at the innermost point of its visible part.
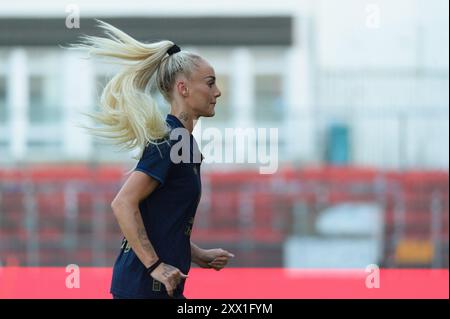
(169, 276)
(213, 258)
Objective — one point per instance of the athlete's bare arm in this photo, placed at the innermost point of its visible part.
(126, 210)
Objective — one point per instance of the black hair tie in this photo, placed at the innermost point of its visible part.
(154, 266)
(174, 49)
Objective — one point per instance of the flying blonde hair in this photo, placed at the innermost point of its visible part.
(129, 115)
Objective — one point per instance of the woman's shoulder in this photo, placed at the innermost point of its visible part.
(160, 147)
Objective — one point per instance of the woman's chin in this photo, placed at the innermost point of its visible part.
(211, 113)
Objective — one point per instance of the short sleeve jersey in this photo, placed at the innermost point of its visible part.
(168, 214)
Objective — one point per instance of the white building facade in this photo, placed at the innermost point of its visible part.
(346, 83)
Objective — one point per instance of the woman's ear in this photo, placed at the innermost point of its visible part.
(182, 88)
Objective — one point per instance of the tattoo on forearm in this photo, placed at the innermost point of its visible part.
(142, 234)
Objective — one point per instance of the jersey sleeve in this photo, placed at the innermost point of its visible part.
(155, 161)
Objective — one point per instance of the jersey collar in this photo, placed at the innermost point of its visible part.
(174, 121)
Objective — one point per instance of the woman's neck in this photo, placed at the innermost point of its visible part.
(185, 118)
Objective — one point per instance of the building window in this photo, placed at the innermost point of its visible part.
(4, 115)
(269, 105)
(43, 149)
(43, 108)
(4, 118)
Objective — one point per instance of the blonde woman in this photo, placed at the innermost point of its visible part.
(156, 206)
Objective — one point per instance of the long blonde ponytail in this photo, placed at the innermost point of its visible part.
(128, 113)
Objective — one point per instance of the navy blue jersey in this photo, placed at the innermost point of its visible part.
(168, 214)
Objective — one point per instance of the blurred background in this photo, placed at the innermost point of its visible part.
(357, 89)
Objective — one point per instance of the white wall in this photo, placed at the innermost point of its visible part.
(346, 39)
(328, 36)
(56, 8)
(388, 82)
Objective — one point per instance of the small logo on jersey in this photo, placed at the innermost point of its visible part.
(125, 246)
(156, 285)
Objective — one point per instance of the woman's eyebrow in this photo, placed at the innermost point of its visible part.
(210, 76)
